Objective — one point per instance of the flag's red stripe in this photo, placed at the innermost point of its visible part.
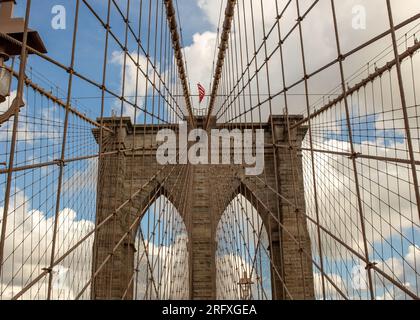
(201, 92)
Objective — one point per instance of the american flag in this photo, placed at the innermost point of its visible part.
(201, 92)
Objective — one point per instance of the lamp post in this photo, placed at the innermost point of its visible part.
(5, 77)
(245, 284)
(11, 35)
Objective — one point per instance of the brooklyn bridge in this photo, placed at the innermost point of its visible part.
(290, 172)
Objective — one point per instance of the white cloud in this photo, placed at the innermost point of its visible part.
(163, 255)
(319, 43)
(211, 9)
(31, 128)
(390, 217)
(82, 179)
(28, 250)
(199, 56)
(384, 191)
(330, 289)
(131, 86)
(168, 266)
(231, 265)
(404, 269)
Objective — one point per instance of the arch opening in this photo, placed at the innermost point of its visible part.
(243, 269)
(161, 261)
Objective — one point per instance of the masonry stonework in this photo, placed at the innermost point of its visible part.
(130, 168)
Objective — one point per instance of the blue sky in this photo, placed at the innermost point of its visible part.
(364, 130)
(90, 45)
(89, 59)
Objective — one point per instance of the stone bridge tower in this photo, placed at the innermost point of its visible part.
(122, 172)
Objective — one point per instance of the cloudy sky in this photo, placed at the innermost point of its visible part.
(392, 225)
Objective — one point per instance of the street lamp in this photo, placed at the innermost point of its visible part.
(5, 78)
(245, 284)
(13, 28)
